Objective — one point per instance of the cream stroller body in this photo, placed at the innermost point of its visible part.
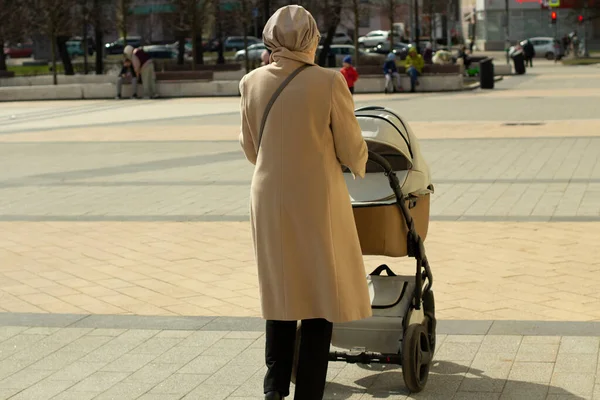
(392, 223)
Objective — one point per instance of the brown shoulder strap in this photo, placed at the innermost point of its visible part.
(274, 98)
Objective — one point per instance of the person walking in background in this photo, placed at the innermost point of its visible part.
(349, 73)
(390, 72)
(144, 67)
(127, 74)
(414, 67)
(529, 53)
(308, 255)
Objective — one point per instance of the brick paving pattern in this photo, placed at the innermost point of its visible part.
(140, 208)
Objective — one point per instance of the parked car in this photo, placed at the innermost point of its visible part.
(118, 45)
(376, 38)
(254, 52)
(342, 50)
(18, 50)
(543, 46)
(338, 38)
(235, 43)
(400, 49)
(160, 51)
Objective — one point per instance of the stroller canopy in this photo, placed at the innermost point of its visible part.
(389, 136)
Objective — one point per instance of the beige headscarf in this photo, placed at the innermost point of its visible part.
(291, 33)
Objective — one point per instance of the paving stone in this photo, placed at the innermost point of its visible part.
(527, 340)
(154, 373)
(531, 372)
(58, 360)
(538, 353)
(161, 396)
(40, 330)
(179, 383)
(76, 371)
(107, 332)
(203, 365)
(579, 345)
(203, 339)
(476, 396)
(579, 384)
(156, 345)
(6, 393)
(24, 378)
(232, 374)
(500, 344)
(125, 391)
(210, 392)
(524, 390)
(457, 351)
(129, 362)
(582, 363)
(99, 381)
(43, 390)
(68, 395)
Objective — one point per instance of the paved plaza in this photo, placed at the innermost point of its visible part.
(127, 269)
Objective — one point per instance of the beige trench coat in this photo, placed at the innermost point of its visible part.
(307, 250)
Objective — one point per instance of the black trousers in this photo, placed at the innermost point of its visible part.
(312, 362)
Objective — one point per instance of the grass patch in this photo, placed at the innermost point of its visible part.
(581, 61)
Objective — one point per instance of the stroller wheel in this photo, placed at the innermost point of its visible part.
(416, 357)
(430, 321)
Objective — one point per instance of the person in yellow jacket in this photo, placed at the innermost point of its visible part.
(414, 67)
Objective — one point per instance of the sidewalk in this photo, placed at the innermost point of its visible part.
(105, 358)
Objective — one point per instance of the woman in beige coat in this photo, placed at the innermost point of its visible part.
(310, 265)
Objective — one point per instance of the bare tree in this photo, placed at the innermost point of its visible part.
(332, 11)
(54, 19)
(123, 11)
(11, 12)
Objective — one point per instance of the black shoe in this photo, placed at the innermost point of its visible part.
(273, 396)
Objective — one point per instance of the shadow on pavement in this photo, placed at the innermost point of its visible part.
(447, 380)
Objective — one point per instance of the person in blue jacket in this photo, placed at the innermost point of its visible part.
(391, 72)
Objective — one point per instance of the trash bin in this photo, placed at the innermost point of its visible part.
(519, 61)
(486, 74)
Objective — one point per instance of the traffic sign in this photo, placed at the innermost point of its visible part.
(553, 3)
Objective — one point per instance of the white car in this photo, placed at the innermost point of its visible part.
(338, 38)
(254, 52)
(543, 46)
(375, 38)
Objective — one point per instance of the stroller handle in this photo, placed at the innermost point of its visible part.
(381, 161)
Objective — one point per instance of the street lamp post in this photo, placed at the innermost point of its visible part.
(507, 31)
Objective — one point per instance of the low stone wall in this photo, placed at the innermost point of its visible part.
(428, 83)
(103, 90)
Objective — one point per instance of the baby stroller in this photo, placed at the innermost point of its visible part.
(392, 223)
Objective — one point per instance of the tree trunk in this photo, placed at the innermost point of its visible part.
(2, 57)
(392, 11)
(123, 4)
(194, 29)
(220, 57)
(245, 30)
(85, 48)
(61, 41)
(356, 6)
(99, 49)
(266, 12)
(53, 47)
(332, 27)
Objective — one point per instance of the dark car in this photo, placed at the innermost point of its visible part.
(400, 49)
(19, 50)
(118, 45)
